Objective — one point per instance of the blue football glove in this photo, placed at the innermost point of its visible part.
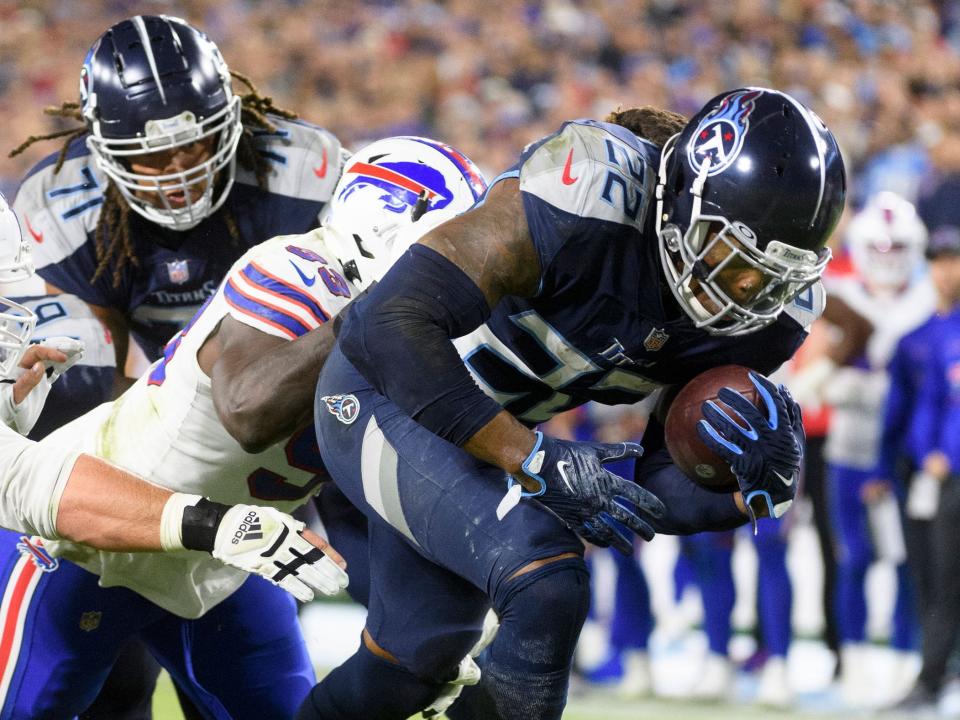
(764, 451)
(575, 485)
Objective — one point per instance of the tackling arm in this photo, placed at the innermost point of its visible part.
(263, 385)
(55, 493)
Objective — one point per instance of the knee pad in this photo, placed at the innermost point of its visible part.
(548, 604)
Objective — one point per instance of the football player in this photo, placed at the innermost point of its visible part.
(205, 420)
(886, 240)
(59, 493)
(602, 267)
(171, 176)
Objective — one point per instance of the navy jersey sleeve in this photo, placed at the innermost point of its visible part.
(580, 185)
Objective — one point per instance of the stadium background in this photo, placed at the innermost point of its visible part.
(491, 76)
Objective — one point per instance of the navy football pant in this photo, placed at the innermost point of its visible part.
(61, 633)
(438, 554)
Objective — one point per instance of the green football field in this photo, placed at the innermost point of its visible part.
(597, 706)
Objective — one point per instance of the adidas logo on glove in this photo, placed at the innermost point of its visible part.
(249, 529)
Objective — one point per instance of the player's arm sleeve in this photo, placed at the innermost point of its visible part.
(32, 478)
(689, 508)
(285, 291)
(398, 335)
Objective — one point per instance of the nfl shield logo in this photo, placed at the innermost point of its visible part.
(655, 340)
(178, 271)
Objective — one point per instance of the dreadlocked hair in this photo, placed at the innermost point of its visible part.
(649, 122)
(112, 239)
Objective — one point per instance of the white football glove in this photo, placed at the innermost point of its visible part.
(24, 416)
(71, 347)
(259, 540)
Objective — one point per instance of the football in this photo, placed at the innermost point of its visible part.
(688, 451)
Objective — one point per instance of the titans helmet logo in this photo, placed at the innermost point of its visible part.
(719, 135)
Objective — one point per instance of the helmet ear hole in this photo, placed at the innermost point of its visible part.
(350, 271)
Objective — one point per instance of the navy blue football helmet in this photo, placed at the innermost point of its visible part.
(154, 84)
(760, 173)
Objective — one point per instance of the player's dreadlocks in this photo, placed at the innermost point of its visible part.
(112, 236)
(650, 123)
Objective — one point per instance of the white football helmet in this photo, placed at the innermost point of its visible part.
(16, 321)
(393, 192)
(887, 240)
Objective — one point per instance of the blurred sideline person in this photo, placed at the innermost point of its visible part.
(603, 266)
(936, 419)
(886, 241)
(711, 555)
(206, 423)
(170, 178)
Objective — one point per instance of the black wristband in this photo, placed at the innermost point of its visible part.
(200, 524)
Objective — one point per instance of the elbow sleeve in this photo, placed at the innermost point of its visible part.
(398, 336)
(32, 478)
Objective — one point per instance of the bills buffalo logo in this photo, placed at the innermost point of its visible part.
(345, 408)
(34, 549)
(719, 135)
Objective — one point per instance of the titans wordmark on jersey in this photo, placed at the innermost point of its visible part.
(165, 427)
(602, 326)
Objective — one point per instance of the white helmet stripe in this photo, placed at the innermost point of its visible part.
(148, 49)
(818, 142)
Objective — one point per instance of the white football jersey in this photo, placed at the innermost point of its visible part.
(165, 428)
(857, 393)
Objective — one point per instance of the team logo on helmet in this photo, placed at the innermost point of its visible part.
(346, 408)
(403, 183)
(719, 135)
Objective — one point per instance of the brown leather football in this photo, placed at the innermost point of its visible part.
(688, 451)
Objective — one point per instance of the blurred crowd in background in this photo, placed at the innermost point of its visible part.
(490, 77)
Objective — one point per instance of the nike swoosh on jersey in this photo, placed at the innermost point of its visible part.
(307, 280)
(567, 178)
(562, 469)
(321, 172)
(38, 236)
(786, 481)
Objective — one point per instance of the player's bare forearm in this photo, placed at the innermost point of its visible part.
(506, 443)
(263, 386)
(492, 245)
(110, 509)
(855, 330)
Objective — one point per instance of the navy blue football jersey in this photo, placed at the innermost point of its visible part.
(177, 271)
(603, 325)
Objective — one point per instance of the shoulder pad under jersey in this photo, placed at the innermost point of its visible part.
(808, 305)
(592, 170)
(286, 286)
(305, 160)
(58, 210)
